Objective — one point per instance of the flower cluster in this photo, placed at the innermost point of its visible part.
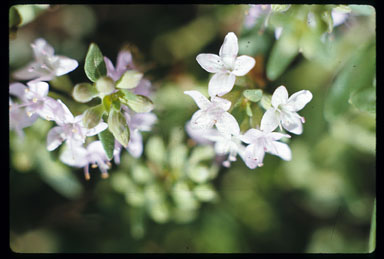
(226, 136)
(31, 101)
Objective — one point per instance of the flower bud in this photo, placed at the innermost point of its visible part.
(117, 124)
(105, 85)
(84, 92)
(92, 116)
(129, 80)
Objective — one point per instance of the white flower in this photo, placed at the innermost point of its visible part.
(94, 154)
(226, 144)
(46, 65)
(263, 141)
(283, 112)
(35, 99)
(124, 62)
(70, 129)
(226, 66)
(213, 112)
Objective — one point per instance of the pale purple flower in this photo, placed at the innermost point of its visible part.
(261, 142)
(70, 129)
(18, 118)
(46, 65)
(283, 112)
(213, 112)
(35, 99)
(226, 66)
(94, 154)
(137, 122)
(254, 13)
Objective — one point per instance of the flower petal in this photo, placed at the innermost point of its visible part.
(27, 72)
(292, 123)
(298, 100)
(111, 69)
(41, 48)
(99, 128)
(54, 138)
(227, 124)
(201, 101)
(270, 120)
(279, 96)
(18, 90)
(253, 156)
(65, 65)
(143, 121)
(221, 83)
(230, 46)
(279, 149)
(124, 59)
(210, 62)
(243, 65)
(221, 102)
(63, 114)
(135, 144)
(251, 136)
(74, 156)
(202, 120)
(40, 88)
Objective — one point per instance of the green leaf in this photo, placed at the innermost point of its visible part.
(84, 92)
(253, 95)
(138, 103)
(364, 100)
(327, 18)
(108, 142)
(92, 116)
(358, 73)
(117, 124)
(107, 102)
(372, 233)
(283, 52)
(94, 66)
(129, 80)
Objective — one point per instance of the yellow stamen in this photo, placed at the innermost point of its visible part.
(94, 165)
(34, 100)
(104, 175)
(29, 114)
(87, 176)
(109, 163)
(74, 130)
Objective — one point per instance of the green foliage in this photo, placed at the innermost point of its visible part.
(357, 74)
(84, 92)
(108, 142)
(94, 66)
(129, 80)
(253, 95)
(138, 103)
(117, 124)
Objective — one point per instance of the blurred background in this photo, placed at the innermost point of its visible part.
(320, 202)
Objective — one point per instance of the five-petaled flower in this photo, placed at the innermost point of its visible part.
(70, 129)
(261, 141)
(213, 112)
(283, 112)
(46, 65)
(94, 154)
(226, 66)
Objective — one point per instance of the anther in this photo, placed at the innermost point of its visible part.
(94, 165)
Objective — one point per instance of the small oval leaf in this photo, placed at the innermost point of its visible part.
(94, 66)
